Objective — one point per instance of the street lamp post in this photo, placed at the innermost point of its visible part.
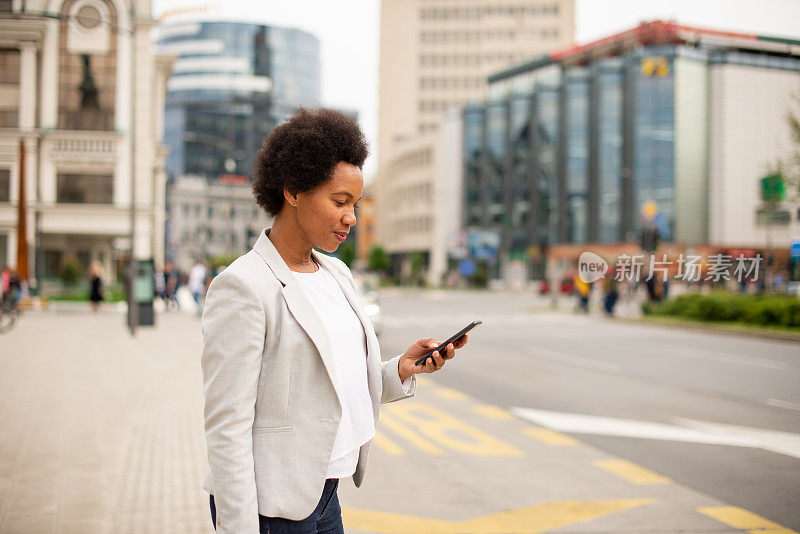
(132, 306)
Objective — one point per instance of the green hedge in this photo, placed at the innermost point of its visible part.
(721, 306)
(114, 293)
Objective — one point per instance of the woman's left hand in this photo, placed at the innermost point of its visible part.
(407, 365)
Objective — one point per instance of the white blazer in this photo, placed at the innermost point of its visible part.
(272, 407)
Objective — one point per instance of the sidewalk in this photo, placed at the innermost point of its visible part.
(100, 432)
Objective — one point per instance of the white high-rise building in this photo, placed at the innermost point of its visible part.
(436, 54)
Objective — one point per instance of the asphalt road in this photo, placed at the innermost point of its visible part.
(717, 413)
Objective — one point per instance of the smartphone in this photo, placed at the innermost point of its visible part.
(441, 347)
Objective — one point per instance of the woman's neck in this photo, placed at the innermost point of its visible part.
(290, 244)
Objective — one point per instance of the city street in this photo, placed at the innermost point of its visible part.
(546, 421)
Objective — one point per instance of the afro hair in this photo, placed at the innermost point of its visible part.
(300, 154)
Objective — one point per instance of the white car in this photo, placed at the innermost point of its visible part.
(367, 288)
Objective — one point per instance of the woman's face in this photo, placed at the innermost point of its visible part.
(325, 214)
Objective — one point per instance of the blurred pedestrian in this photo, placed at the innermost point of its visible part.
(160, 284)
(583, 290)
(5, 283)
(96, 289)
(654, 288)
(610, 292)
(777, 281)
(197, 284)
(172, 281)
(292, 370)
(742, 284)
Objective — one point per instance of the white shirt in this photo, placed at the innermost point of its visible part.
(197, 278)
(348, 345)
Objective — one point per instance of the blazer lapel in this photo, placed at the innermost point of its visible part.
(300, 306)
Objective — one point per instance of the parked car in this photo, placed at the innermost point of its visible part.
(367, 288)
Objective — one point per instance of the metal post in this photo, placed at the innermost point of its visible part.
(770, 213)
(22, 218)
(132, 307)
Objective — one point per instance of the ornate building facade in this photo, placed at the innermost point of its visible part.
(81, 115)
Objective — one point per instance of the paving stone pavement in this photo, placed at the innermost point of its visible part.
(101, 432)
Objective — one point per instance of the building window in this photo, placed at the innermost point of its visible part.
(654, 146)
(9, 86)
(52, 262)
(5, 185)
(84, 188)
(577, 161)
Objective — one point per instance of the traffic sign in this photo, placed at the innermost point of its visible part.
(773, 188)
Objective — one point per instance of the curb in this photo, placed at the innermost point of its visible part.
(719, 329)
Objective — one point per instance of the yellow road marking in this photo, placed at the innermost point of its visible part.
(742, 519)
(631, 472)
(424, 380)
(403, 431)
(449, 431)
(450, 394)
(386, 445)
(527, 520)
(551, 437)
(492, 412)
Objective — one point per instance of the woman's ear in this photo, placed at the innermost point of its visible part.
(290, 198)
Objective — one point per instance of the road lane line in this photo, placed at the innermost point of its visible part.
(386, 445)
(526, 520)
(451, 394)
(408, 434)
(450, 432)
(727, 357)
(689, 431)
(551, 437)
(571, 359)
(424, 380)
(740, 518)
(492, 412)
(631, 472)
(575, 423)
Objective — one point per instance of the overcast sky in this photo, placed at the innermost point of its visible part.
(348, 34)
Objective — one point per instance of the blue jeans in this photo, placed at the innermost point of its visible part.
(325, 519)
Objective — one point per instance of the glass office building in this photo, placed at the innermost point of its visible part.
(570, 148)
(232, 83)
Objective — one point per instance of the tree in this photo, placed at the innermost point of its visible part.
(789, 167)
(417, 264)
(70, 273)
(347, 253)
(378, 260)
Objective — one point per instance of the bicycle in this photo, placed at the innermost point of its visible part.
(9, 311)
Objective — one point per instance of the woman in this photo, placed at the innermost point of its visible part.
(292, 371)
(96, 285)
